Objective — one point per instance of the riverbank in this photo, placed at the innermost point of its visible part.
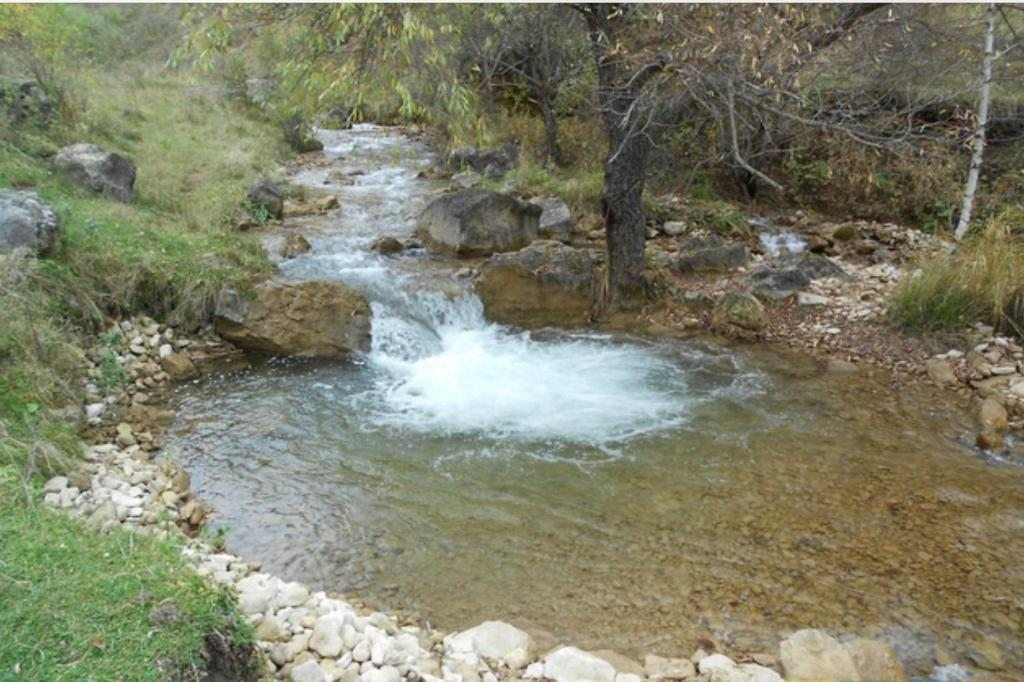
(127, 487)
(77, 604)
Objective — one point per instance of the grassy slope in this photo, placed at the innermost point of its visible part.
(75, 605)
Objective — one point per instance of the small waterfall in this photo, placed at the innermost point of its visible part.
(439, 365)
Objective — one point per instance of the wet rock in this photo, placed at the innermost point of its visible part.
(178, 365)
(494, 640)
(569, 664)
(941, 372)
(312, 319)
(493, 163)
(387, 246)
(97, 170)
(816, 655)
(268, 197)
(26, 221)
(295, 208)
(985, 653)
(659, 668)
(875, 660)
(478, 222)
(295, 245)
(710, 254)
(555, 219)
(993, 418)
(738, 313)
(547, 284)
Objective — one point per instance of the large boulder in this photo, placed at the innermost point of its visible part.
(97, 170)
(313, 319)
(547, 284)
(784, 276)
(267, 196)
(493, 163)
(26, 221)
(555, 219)
(710, 254)
(478, 222)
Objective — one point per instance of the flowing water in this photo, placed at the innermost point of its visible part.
(621, 493)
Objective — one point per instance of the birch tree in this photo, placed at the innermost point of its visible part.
(971, 189)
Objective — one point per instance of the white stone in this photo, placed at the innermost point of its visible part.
(628, 677)
(659, 668)
(807, 299)
(55, 484)
(292, 594)
(534, 671)
(326, 639)
(569, 664)
(719, 668)
(95, 410)
(361, 652)
(494, 640)
(386, 674)
(816, 655)
(255, 593)
(310, 671)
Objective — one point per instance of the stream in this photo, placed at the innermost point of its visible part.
(622, 493)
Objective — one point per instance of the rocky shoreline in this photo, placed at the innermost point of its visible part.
(313, 636)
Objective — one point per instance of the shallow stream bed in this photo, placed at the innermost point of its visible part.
(621, 493)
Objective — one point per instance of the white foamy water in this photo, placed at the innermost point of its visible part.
(782, 242)
(465, 375)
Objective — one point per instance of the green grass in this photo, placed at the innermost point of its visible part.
(982, 282)
(580, 189)
(75, 605)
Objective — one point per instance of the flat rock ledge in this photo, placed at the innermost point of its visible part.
(310, 636)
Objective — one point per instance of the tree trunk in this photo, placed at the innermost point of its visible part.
(623, 213)
(625, 167)
(551, 156)
(979, 134)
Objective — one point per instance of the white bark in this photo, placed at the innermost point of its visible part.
(979, 134)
